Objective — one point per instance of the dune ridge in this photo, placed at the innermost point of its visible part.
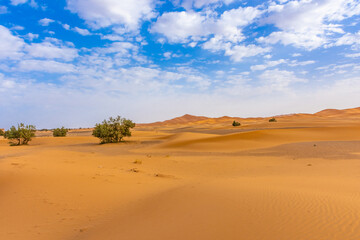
(257, 138)
(193, 120)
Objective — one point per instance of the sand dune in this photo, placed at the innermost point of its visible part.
(327, 114)
(340, 113)
(235, 210)
(294, 179)
(261, 138)
(186, 119)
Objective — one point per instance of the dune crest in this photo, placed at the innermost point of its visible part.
(197, 120)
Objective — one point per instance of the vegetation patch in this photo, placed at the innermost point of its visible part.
(236, 124)
(113, 130)
(272, 120)
(60, 132)
(21, 135)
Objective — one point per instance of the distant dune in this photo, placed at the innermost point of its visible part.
(194, 120)
(351, 112)
(187, 118)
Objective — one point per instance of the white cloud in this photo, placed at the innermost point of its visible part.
(3, 10)
(179, 26)
(341, 71)
(348, 39)
(222, 33)
(353, 55)
(113, 37)
(45, 21)
(235, 85)
(228, 28)
(295, 63)
(239, 52)
(10, 46)
(268, 56)
(6, 83)
(66, 26)
(133, 80)
(197, 26)
(83, 32)
(32, 3)
(201, 82)
(32, 36)
(300, 40)
(231, 22)
(51, 49)
(308, 24)
(122, 13)
(278, 80)
(17, 27)
(167, 55)
(48, 66)
(347, 85)
(122, 48)
(114, 55)
(17, 2)
(268, 64)
(188, 4)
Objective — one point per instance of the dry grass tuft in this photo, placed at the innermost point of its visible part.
(137, 161)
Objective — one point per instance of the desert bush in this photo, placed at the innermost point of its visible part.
(60, 132)
(235, 123)
(21, 135)
(113, 130)
(272, 120)
(2, 132)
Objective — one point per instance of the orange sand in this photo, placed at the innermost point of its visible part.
(295, 179)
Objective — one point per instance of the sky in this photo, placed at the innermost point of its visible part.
(74, 63)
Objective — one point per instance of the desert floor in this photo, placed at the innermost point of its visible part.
(290, 180)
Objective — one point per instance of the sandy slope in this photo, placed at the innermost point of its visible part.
(295, 179)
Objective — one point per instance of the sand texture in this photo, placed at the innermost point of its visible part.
(192, 178)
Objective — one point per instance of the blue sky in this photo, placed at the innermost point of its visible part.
(75, 62)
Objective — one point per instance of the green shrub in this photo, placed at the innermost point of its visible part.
(113, 130)
(235, 123)
(1, 132)
(60, 132)
(272, 120)
(21, 135)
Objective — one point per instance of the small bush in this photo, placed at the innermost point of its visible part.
(2, 132)
(60, 132)
(21, 135)
(272, 120)
(113, 130)
(235, 123)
